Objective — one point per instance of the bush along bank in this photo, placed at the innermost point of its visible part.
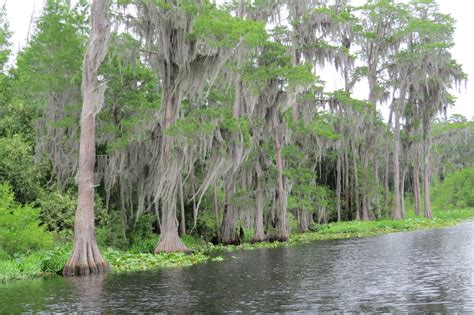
(140, 258)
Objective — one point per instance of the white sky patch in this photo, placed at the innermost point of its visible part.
(21, 11)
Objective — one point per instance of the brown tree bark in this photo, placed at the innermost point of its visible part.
(386, 178)
(402, 191)
(282, 225)
(397, 214)
(216, 211)
(426, 164)
(169, 237)
(338, 186)
(86, 258)
(182, 225)
(259, 235)
(228, 233)
(347, 190)
(356, 180)
(377, 201)
(303, 225)
(365, 197)
(416, 178)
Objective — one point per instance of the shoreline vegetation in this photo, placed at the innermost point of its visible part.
(202, 122)
(51, 262)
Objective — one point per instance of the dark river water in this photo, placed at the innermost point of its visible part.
(422, 271)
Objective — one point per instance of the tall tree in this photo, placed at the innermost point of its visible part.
(85, 257)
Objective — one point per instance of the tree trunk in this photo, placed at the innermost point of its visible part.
(396, 167)
(302, 221)
(169, 239)
(386, 175)
(193, 191)
(271, 214)
(402, 192)
(229, 235)
(182, 226)
(426, 165)
(347, 190)
(157, 214)
(216, 211)
(338, 186)
(377, 202)
(282, 220)
(259, 235)
(356, 180)
(365, 197)
(86, 258)
(416, 178)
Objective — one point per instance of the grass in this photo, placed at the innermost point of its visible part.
(140, 257)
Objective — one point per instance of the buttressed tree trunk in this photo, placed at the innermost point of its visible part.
(228, 233)
(169, 238)
(86, 258)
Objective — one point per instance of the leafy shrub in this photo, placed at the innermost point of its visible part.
(112, 232)
(143, 229)
(110, 226)
(248, 235)
(144, 245)
(54, 260)
(9, 270)
(456, 191)
(206, 224)
(292, 223)
(20, 232)
(17, 167)
(57, 213)
(193, 242)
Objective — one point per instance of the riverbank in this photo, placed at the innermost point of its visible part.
(50, 262)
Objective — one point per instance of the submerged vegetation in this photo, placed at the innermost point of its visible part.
(210, 125)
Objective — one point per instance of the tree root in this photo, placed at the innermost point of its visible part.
(170, 244)
(259, 238)
(84, 260)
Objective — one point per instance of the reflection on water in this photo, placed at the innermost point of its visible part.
(423, 271)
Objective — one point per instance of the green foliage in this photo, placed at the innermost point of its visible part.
(456, 191)
(16, 118)
(142, 238)
(53, 60)
(54, 260)
(292, 222)
(5, 50)
(346, 99)
(220, 29)
(206, 224)
(131, 96)
(57, 212)
(274, 63)
(17, 167)
(5, 36)
(204, 121)
(111, 226)
(20, 232)
(123, 261)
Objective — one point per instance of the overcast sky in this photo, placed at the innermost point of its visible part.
(20, 12)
